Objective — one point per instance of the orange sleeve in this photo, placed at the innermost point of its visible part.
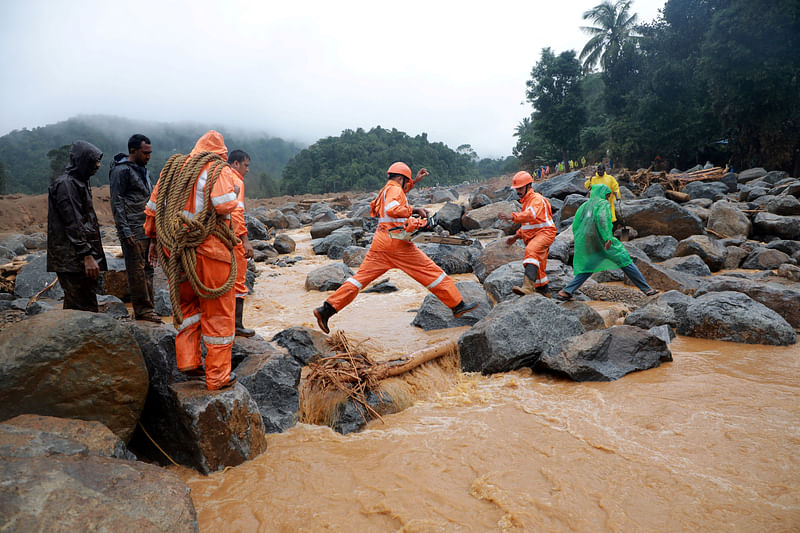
(223, 197)
(239, 226)
(150, 213)
(527, 215)
(396, 204)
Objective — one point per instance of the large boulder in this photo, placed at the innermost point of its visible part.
(73, 364)
(451, 258)
(516, 333)
(781, 226)
(712, 190)
(325, 228)
(284, 244)
(34, 277)
(734, 316)
(590, 318)
(667, 279)
(80, 493)
(440, 195)
(353, 256)
(652, 315)
(37, 436)
(334, 244)
(607, 354)
(486, 217)
(657, 247)
(709, 250)
(494, 255)
(256, 230)
(327, 278)
(782, 299)
(433, 314)
(225, 426)
(271, 378)
(562, 186)
(726, 219)
(571, 205)
(449, 217)
(499, 283)
(784, 204)
(690, 264)
(659, 216)
(751, 174)
(765, 259)
(304, 344)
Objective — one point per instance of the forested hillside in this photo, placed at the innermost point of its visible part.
(358, 159)
(30, 158)
(707, 80)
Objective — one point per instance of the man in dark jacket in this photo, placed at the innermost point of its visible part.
(74, 250)
(130, 190)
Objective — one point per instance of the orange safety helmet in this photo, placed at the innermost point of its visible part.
(400, 168)
(521, 179)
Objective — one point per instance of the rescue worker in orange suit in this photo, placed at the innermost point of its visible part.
(385, 252)
(209, 318)
(240, 163)
(537, 232)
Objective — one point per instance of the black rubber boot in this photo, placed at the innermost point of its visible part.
(323, 314)
(463, 308)
(241, 331)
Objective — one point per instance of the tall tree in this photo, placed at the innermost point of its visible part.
(555, 92)
(3, 178)
(59, 157)
(614, 26)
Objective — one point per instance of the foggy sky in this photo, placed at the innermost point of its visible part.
(298, 70)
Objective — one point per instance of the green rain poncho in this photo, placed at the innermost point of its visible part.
(592, 228)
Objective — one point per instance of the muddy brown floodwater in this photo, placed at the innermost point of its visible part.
(709, 442)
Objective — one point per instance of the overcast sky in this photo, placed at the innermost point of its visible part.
(300, 70)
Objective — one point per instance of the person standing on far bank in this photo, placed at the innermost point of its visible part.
(130, 190)
(74, 248)
(240, 163)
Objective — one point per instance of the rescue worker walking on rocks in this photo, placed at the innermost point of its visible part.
(240, 163)
(189, 215)
(538, 231)
(602, 178)
(596, 248)
(74, 248)
(130, 190)
(392, 210)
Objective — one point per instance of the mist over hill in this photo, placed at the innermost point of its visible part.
(29, 169)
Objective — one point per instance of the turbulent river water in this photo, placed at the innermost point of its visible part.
(708, 442)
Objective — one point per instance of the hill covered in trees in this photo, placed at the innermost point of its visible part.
(358, 159)
(30, 158)
(707, 80)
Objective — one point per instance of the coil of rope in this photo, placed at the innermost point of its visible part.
(181, 235)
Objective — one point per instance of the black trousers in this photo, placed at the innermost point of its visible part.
(140, 277)
(80, 291)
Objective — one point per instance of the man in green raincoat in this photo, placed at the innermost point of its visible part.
(596, 248)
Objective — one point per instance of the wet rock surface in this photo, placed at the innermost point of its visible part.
(433, 314)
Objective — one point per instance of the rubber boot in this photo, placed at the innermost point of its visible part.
(241, 331)
(323, 314)
(463, 308)
(527, 287)
(544, 290)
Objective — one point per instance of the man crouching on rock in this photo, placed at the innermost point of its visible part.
(74, 249)
(392, 210)
(198, 231)
(538, 232)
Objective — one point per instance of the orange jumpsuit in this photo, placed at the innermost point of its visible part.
(240, 228)
(537, 232)
(385, 253)
(211, 318)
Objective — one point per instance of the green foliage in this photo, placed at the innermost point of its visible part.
(614, 28)
(29, 165)
(3, 178)
(555, 92)
(59, 157)
(358, 159)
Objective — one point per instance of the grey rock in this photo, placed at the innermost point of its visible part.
(733, 316)
(663, 332)
(353, 256)
(440, 195)
(780, 226)
(449, 217)
(790, 272)
(351, 417)
(284, 244)
(667, 279)
(590, 319)
(494, 255)
(43, 305)
(734, 257)
(750, 174)
(726, 219)
(73, 364)
(433, 314)
(6, 255)
(80, 493)
(304, 344)
(690, 264)
(499, 283)
(765, 259)
(782, 299)
(477, 200)
(656, 190)
(712, 190)
(783, 205)
(325, 228)
(162, 303)
(562, 186)
(607, 354)
(486, 217)
(451, 258)
(272, 378)
(659, 216)
(709, 250)
(657, 247)
(516, 333)
(34, 277)
(652, 315)
(571, 204)
(328, 278)
(255, 228)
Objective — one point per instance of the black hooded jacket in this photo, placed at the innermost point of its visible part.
(72, 228)
(130, 191)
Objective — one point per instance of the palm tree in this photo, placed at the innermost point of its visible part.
(614, 25)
